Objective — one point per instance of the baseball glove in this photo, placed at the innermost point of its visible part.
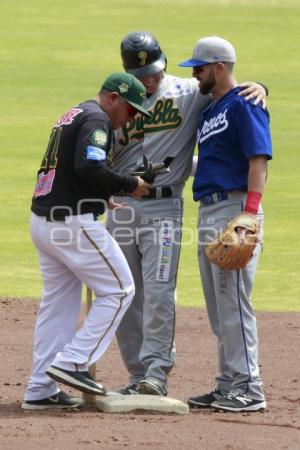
(149, 171)
(235, 246)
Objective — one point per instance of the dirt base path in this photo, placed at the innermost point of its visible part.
(277, 428)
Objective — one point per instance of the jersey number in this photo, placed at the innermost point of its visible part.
(50, 158)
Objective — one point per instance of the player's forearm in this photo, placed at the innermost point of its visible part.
(256, 182)
(257, 174)
(107, 179)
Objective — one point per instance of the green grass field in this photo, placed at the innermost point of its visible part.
(55, 54)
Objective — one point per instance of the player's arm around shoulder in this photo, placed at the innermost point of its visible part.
(252, 123)
(255, 92)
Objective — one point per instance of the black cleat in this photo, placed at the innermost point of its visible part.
(151, 386)
(206, 400)
(237, 402)
(61, 400)
(131, 389)
(82, 381)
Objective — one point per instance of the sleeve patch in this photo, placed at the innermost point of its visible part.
(95, 153)
(44, 184)
(99, 138)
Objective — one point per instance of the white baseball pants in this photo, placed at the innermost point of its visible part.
(79, 250)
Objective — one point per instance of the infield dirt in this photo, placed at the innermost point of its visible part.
(277, 428)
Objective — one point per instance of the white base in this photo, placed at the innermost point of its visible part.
(126, 403)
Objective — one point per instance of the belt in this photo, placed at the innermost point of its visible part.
(55, 218)
(216, 197)
(158, 192)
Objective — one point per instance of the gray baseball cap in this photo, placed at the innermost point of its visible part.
(210, 50)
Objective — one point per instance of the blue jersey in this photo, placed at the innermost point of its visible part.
(230, 132)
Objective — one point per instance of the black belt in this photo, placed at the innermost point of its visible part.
(55, 218)
(159, 192)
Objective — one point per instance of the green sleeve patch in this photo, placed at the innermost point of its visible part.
(99, 138)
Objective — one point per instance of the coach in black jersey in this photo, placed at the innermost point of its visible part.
(73, 187)
(74, 169)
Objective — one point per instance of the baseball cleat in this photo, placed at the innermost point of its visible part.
(151, 386)
(61, 400)
(237, 402)
(82, 381)
(131, 389)
(206, 400)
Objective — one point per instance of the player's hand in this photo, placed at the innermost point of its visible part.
(141, 190)
(111, 204)
(253, 91)
(148, 171)
(242, 232)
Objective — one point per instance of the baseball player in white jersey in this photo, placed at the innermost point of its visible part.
(149, 230)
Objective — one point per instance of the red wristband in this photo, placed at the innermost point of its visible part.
(252, 202)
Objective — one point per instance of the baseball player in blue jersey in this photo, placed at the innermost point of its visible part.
(234, 147)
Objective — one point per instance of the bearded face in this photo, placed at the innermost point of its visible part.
(208, 83)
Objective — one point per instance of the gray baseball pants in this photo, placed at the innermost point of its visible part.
(229, 307)
(149, 233)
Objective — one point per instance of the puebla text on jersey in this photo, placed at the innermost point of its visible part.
(230, 132)
(170, 132)
(74, 176)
